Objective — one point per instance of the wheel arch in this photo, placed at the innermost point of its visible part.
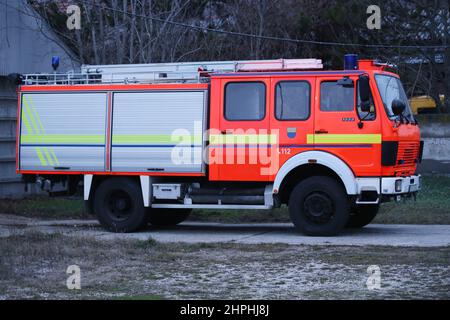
(312, 163)
(91, 183)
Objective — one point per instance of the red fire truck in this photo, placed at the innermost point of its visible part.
(151, 142)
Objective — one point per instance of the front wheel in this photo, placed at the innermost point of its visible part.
(362, 215)
(319, 206)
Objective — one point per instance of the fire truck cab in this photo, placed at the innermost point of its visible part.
(149, 143)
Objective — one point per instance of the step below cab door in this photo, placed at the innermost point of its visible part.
(342, 128)
(239, 138)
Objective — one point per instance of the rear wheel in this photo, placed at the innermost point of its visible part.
(119, 206)
(167, 217)
(362, 215)
(318, 206)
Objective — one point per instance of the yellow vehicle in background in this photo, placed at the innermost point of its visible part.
(424, 104)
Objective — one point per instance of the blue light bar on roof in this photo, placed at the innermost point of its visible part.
(55, 62)
(351, 62)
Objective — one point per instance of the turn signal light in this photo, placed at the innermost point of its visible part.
(398, 185)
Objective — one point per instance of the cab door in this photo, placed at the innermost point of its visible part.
(292, 115)
(342, 128)
(239, 146)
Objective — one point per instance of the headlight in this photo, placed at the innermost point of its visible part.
(398, 185)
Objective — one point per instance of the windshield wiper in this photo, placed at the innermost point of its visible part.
(406, 119)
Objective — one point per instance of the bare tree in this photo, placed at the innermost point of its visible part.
(140, 31)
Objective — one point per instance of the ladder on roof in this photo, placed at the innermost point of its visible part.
(184, 72)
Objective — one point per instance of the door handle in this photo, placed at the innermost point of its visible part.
(321, 131)
(61, 168)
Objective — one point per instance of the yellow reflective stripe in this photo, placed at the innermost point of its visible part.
(41, 157)
(48, 156)
(54, 156)
(27, 123)
(63, 138)
(344, 138)
(30, 115)
(25, 117)
(36, 115)
(154, 138)
(238, 139)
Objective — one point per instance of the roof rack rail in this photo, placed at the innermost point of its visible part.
(184, 72)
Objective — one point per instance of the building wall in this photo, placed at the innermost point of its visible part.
(435, 132)
(11, 185)
(27, 45)
(8, 107)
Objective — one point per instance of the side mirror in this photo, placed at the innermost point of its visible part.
(398, 107)
(364, 89)
(346, 82)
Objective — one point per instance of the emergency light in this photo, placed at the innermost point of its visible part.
(351, 62)
(55, 62)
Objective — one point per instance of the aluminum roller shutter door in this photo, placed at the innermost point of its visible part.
(160, 131)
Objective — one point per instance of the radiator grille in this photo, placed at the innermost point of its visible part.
(408, 153)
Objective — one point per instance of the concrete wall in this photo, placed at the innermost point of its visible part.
(11, 185)
(10, 182)
(27, 43)
(8, 109)
(26, 46)
(435, 132)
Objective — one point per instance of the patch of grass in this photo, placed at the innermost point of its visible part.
(33, 266)
(241, 216)
(150, 242)
(45, 207)
(432, 205)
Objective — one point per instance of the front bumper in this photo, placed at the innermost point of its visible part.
(372, 190)
(401, 185)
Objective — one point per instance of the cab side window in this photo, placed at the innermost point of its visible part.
(245, 101)
(366, 116)
(335, 97)
(292, 100)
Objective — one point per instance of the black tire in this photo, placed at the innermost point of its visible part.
(362, 215)
(119, 206)
(167, 217)
(319, 206)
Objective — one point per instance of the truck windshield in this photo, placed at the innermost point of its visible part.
(391, 88)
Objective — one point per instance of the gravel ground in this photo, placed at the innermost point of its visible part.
(33, 266)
